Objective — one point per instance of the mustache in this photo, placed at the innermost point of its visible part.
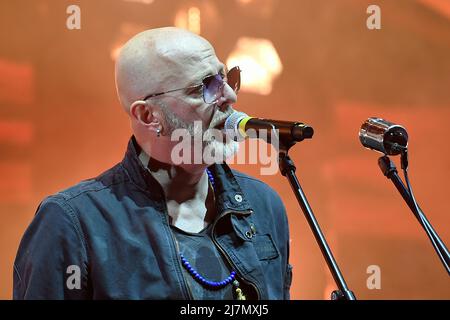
(218, 122)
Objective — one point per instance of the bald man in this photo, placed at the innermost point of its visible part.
(154, 227)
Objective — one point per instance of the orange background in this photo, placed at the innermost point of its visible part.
(60, 121)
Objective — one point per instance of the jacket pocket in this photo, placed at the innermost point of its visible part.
(264, 247)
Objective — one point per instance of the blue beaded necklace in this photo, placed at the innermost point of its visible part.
(200, 278)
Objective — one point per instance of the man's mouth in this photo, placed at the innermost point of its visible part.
(219, 123)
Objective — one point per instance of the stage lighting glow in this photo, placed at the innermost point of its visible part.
(141, 1)
(259, 62)
(440, 6)
(189, 19)
(115, 52)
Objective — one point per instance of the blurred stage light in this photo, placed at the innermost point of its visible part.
(140, 1)
(115, 52)
(189, 19)
(259, 62)
(440, 6)
(262, 8)
(17, 83)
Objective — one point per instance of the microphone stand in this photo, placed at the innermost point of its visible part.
(390, 171)
(287, 169)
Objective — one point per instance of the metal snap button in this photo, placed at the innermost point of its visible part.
(249, 234)
(238, 198)
(252, 227)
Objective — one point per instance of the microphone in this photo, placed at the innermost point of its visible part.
(237, 124)
(383, 136)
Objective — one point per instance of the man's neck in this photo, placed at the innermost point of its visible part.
(181, 185)
(178, 183)
(190, 202)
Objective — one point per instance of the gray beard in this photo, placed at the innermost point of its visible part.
(223, 149)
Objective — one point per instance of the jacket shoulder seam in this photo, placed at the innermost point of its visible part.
(69, 210)
(67, 196)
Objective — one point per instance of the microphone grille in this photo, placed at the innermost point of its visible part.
(231, 125)
(232, 122)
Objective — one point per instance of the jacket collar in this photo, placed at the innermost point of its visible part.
(229, 195)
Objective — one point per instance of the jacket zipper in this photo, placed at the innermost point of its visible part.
(258, 295)
(177, 249)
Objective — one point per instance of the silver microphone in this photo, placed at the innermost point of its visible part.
(237, 124)
(383, 136)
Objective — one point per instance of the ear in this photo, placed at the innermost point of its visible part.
(145, 115)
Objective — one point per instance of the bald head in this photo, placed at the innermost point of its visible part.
(154, 58)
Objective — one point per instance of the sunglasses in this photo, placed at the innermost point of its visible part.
(211, 86)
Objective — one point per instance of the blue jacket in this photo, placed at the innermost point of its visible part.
(112, 234)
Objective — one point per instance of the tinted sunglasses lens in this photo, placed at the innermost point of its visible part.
(211, 88)
(234, 78)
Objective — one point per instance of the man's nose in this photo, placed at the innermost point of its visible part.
(228, 96)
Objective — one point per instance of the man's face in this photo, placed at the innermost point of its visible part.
(186, 109)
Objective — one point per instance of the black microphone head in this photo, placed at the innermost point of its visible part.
(383, 136)
(308, 131)
(301, 131)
